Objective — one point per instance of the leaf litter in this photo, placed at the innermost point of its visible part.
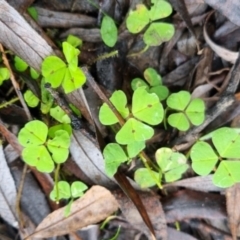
(179, 67)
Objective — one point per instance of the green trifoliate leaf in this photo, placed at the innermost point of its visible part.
(132, 131)
(203, 158)
(227, 174)
(146, 178)
(172, 164)
(59, 146)
(137, 19)
(31, 99)
(227, 142)
(34, 133)
(146, 107)
(114, 156)
(74, 41)
(109, 31)
(39, 157)
(161, 91)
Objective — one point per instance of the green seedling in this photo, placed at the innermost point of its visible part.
(109, 31)
(226, 150)
(41, 152)
(22, 66)
(157, 32)
(63, 190)
(154, 84)
(192, 111)
(4, 74)
(57, 72)
(171, 166)
(145, 108)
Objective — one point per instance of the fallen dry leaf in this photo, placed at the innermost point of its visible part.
(96, 205)
(222, 52)
(233, 208)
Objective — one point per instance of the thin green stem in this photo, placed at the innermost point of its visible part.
(139, 53)
(56, 174)
(5, 104)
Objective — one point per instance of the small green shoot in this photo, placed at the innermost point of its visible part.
(189, 110)
(63, 190)
(33, 13)
(172, 165)
(40, 152)
(109, 31)
(155, 84)
(4, 75)
(57, 72)
(58, 114)
(156, 33)
(226, 142)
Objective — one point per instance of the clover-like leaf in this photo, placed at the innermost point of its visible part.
(31, 99)
(227, 142)
(109, 31)
(146, 107)
(179, 121)
(161, 91)
(59, 146)
(39, 157)
(152, 77)
(34, 133)
(179, 101)
(134, 148)
(172, 164)
(73, 79)
(119, 100)
(61, 191)
(71, 54)
(138, 82)
(146, 178)
(106, 115)
(53, 69)
(58, 114)
(34, 74)
(160, 9)
(114, 156)
(132, 131)
(203, 158)
(77, 189)
(227, 174)
(157, 33)
(19, 64)
(137, 19)
(196, 111)
(4, 74)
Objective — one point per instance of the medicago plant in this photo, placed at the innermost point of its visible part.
(146, 111)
